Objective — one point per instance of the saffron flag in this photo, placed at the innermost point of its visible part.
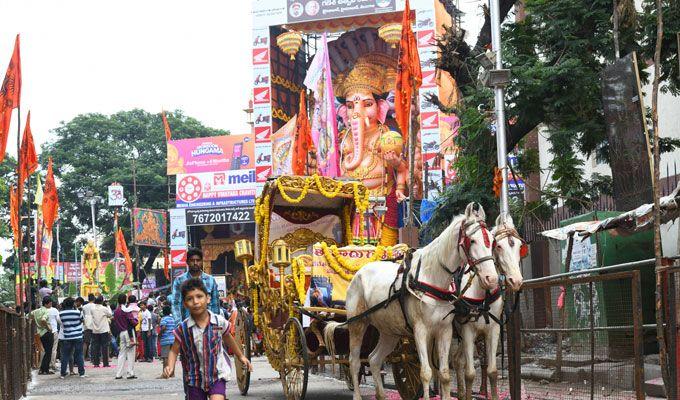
(121, 247)
(10, 96)
(409, 75)
(14, 215)
(50, 203)
(28, 158)
(168, 133)
(303, 144)
(166, 263)
(324, 124)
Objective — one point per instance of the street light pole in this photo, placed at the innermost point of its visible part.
(500, 106)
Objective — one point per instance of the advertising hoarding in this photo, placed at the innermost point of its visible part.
(209, 154)
(178, 227)
(216, 189)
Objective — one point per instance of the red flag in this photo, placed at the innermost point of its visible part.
(10, 96)
(166, 263)
(303, 138)
(29, 159)
(409, 75)
(50, 203)
(14, 214)
(121, 247)
(168, 133)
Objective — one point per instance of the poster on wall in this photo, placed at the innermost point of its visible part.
(216, 189)
(178, 227)
(151, 227)
(208, 154)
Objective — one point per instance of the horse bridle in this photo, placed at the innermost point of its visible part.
(511, 234)
(465, 242)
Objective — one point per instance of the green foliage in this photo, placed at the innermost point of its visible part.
(93, 150)
(670, 67)
(110, 278)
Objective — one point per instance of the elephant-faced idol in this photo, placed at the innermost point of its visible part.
(370, 151)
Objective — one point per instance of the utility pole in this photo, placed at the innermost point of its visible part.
(134, 205)
(500, 106)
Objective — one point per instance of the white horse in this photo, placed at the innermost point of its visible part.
(507, 253)
(465, 240)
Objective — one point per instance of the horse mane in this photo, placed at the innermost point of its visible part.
(443, 246)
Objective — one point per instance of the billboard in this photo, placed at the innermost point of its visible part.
(208, 154)
(311, 10)
(215, 189)
(178, 227)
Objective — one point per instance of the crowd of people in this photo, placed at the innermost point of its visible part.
(166, 327)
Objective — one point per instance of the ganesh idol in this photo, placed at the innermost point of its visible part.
(370, 151)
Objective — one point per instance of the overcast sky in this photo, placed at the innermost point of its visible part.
(82, 56)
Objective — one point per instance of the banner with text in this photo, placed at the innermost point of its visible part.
(216, 189)
(208, 154)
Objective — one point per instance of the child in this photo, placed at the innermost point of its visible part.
(168, 326)
(204, 377)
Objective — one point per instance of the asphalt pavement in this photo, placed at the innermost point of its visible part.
(100, 383)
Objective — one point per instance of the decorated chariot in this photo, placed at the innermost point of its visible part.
(305, 256)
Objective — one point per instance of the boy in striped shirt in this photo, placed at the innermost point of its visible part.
(72, 325)
(199, 339)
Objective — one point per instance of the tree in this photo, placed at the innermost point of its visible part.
(556, 55)
(93, 150)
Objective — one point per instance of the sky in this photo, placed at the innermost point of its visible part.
(104, 56)
(81, 56)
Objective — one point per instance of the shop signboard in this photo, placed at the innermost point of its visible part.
(216, 189)
(219, 216)
(209, 154)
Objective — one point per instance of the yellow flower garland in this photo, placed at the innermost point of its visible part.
(289, 199)
(298, 269)
(323, 191)
(253, 299)
(333, 263)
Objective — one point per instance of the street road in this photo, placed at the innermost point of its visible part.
(100, 382)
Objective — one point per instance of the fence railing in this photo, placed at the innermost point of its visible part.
(582, 340)
(16, 354)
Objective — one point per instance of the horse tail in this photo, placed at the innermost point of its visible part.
(329, 339)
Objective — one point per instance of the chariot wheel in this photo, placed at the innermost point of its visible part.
(406, 372)
(294, 361)
(243, 340)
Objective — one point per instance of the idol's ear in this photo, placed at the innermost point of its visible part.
(342, 112)
(383, 108)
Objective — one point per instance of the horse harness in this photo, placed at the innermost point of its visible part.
(413, 283)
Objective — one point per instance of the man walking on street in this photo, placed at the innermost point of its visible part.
(72, 344)
(87, 320)
(54, 323)
(146, 331)
(42, 321)
(195, 264)
(124, 322)
(101, 315)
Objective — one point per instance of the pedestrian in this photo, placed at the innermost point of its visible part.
(54, 323)
(72, 323)
(195, 264)
(101, 315)
(167, 337)
(44, 290)
(125, 319)
(87, 320)
(155, 321)
(205, 369)
(41, 316)
(146, 331)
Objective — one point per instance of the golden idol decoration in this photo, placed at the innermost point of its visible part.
(289, 43)
(243, 250)
(390, 33)
(391, 141)
(280, 258)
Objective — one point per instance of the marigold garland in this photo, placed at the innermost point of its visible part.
(289, 199)
(333, 263)
(323, 191)
(256, 315)
(298, 268)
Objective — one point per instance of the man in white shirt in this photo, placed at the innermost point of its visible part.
(101, 316)
(53, 315)
(146, 331)
(87, 325)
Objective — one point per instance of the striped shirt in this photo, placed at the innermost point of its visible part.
(203, 357)
(71, 321)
